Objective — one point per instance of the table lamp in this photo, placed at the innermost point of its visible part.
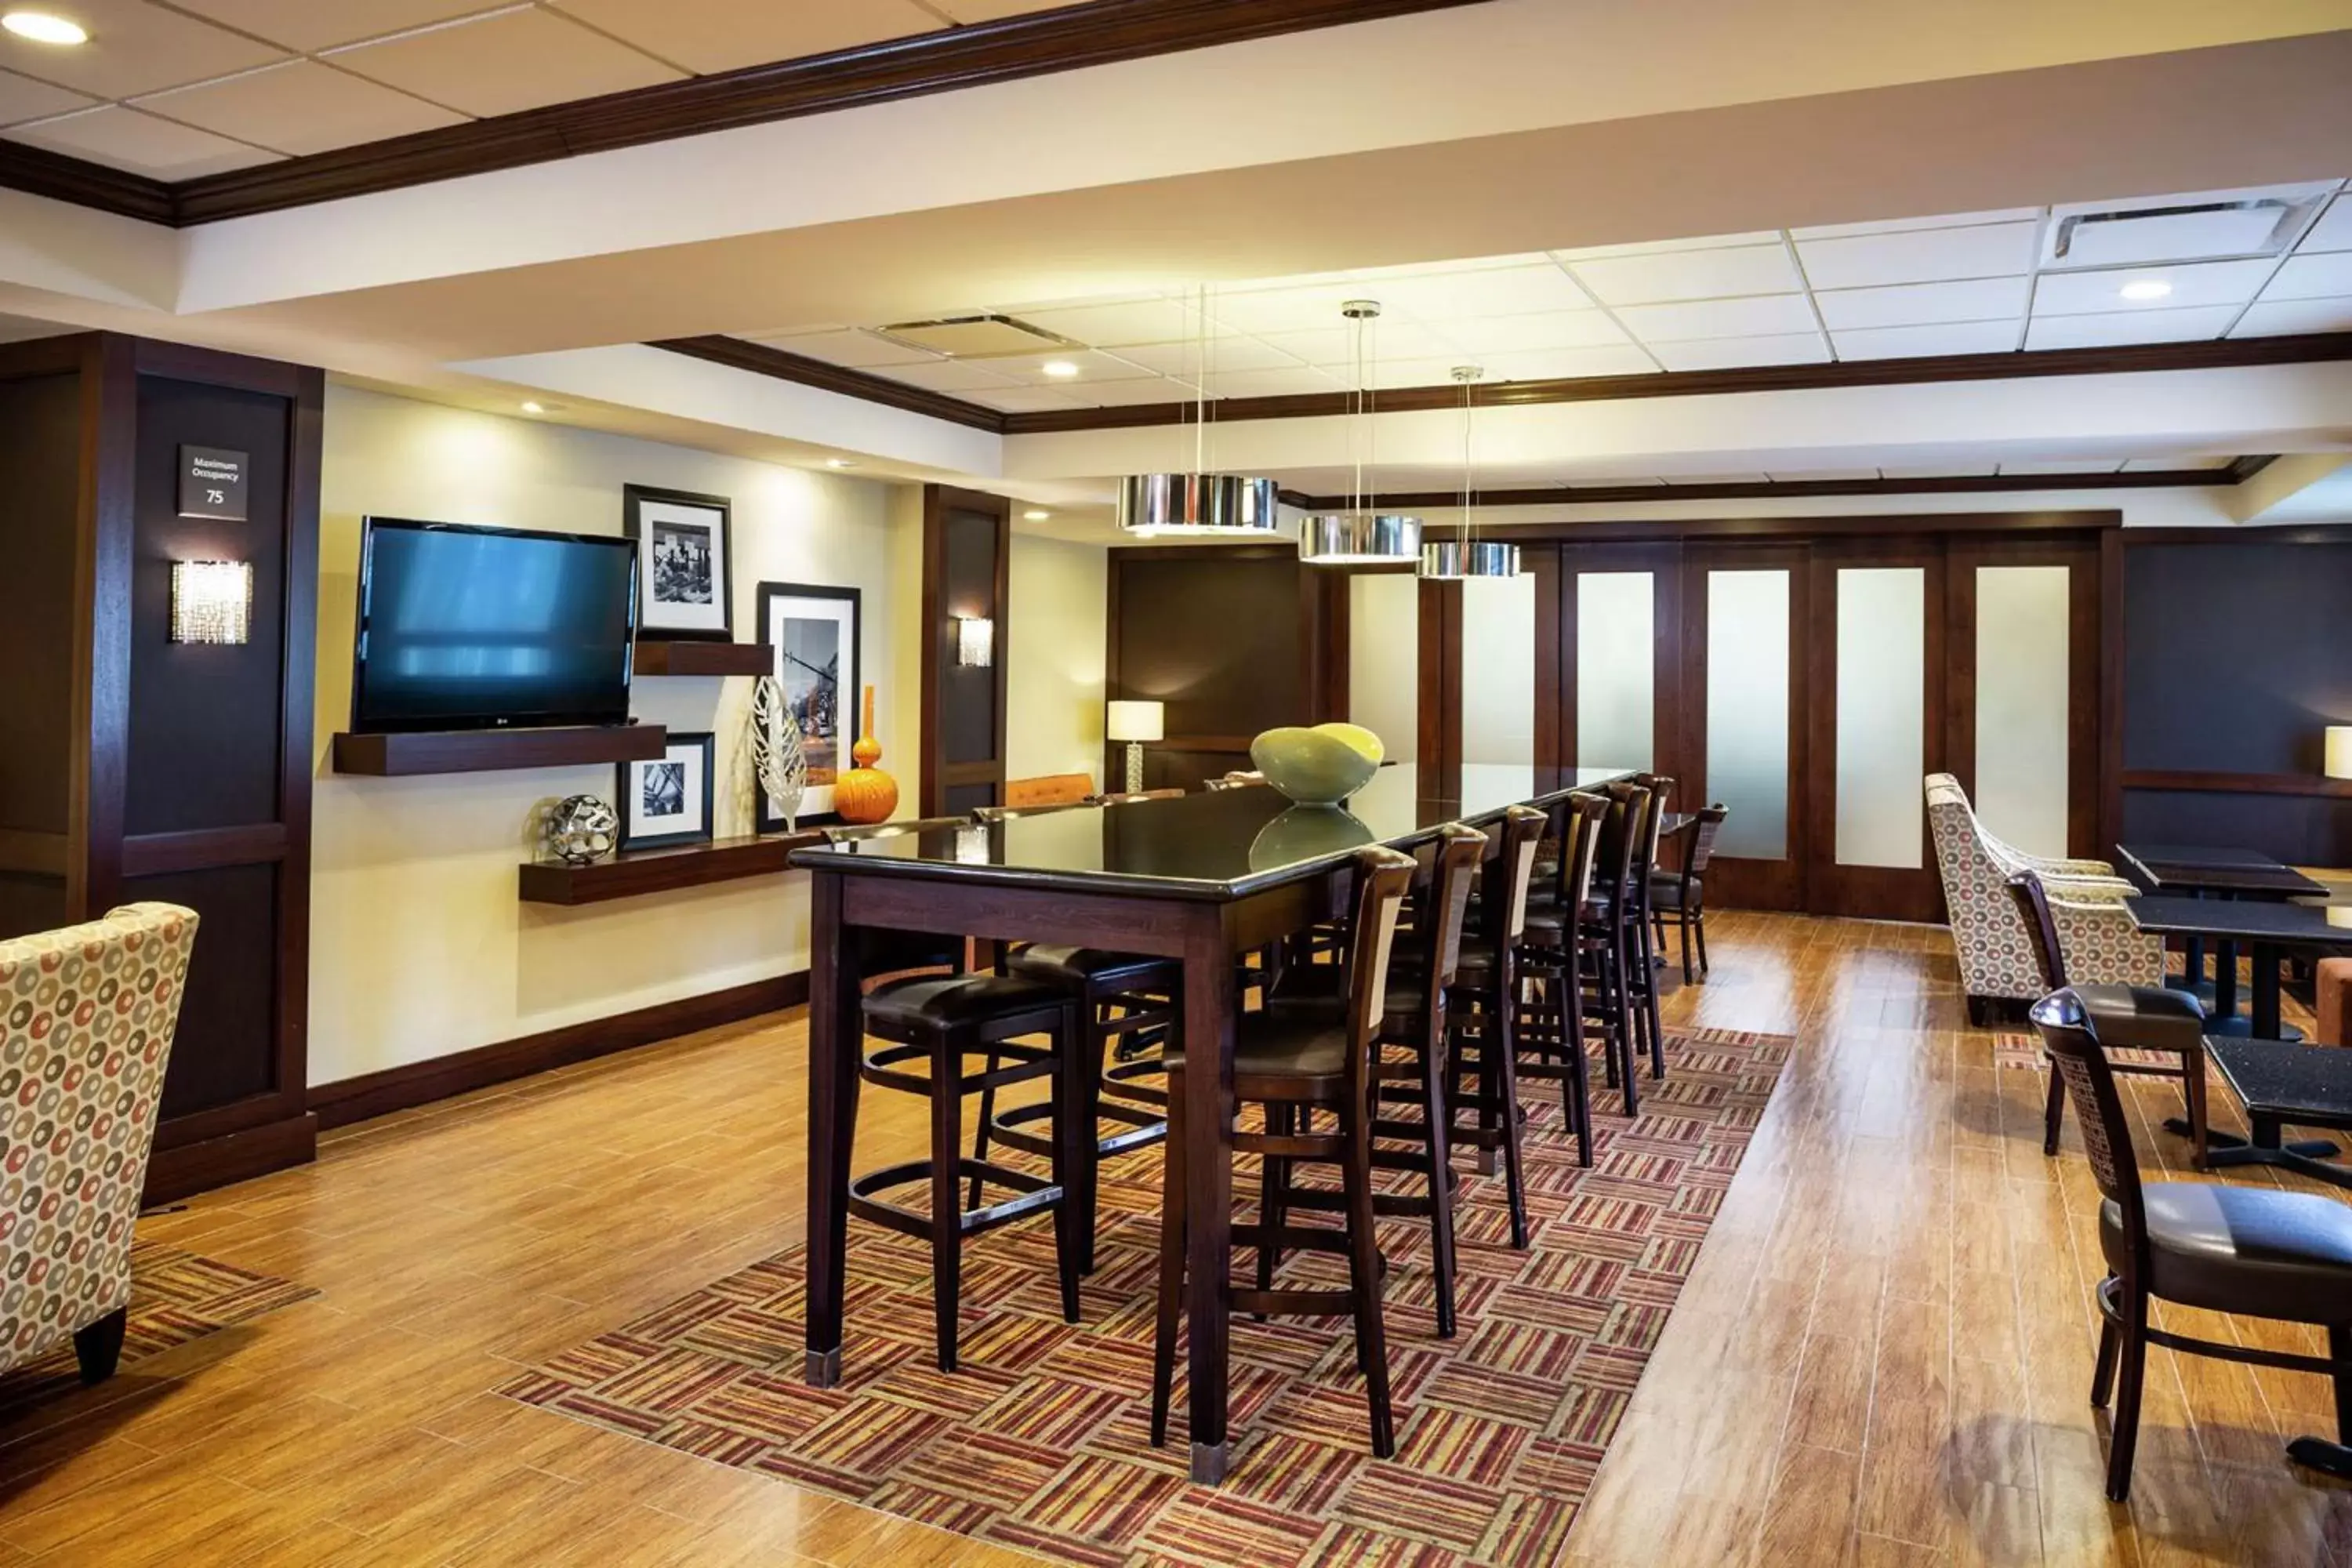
(1134, 722)
(2339, 763)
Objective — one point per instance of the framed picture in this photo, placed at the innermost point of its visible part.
(667, 800)
(814, 633)
(685, 585)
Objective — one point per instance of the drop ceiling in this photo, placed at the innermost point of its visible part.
(191, 88)
(1962, 283)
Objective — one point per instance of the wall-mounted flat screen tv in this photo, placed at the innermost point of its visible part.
(465, 627)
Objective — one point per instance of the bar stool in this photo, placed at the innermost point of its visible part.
(1551, 957)
(1483, 1007)
(1296, 1060)
(942, 1019)
(1638, 907)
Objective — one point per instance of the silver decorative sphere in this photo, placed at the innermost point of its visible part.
(580, 828)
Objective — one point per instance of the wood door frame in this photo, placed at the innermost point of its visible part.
(1737, 880)
(1560, 580)
(934, 773)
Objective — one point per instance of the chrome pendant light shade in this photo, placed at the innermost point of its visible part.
(1446, 560)
(1199, 505)
(1359, 539)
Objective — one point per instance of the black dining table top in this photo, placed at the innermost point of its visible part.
(1218, 844)
(2180, 867)
(2242, 920)
(2310, 1086)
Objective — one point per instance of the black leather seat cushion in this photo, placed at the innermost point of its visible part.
(1666, 889)
(1294, 1039)
(1316, 986)
(956, 1001)
(1072, 967)
(2144, 1017)
(2244, 1250)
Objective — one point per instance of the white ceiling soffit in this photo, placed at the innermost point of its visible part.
(2302, 487)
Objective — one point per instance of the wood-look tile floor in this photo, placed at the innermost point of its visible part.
(1882, 1357)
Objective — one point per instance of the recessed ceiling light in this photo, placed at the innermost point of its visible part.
(529, 407)
(44, 28)
(1059, 369)
(2145, 289)
(1035, 516)
(839, 463)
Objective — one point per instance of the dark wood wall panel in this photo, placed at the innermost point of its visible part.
(229, 1015)
(968, 696)
(2302, 830)
(967, 571)
(204, 720)
(40, 446)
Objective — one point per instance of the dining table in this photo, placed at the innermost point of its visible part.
(2270, 929)
(2211, 871)
(1202, 878)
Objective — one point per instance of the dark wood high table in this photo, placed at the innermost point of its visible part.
(2268, 927)
(1204, 878)
(2192, 870)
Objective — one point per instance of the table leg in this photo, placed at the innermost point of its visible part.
(2266, 991)
(836, 1028)
(2225, 982)
(1208, 1025)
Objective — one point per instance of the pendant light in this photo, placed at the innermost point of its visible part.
(1361, 535)
(1465, 554)
(1193, 503)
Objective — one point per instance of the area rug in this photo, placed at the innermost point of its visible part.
(175, 1297)
(1040, 1441)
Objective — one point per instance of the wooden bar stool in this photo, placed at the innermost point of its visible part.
(942, 1019)
(1552, 961)
(1483, 1007)
(1636, 906)
(1300, 1060)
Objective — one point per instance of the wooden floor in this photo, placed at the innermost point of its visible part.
(1882, 1357)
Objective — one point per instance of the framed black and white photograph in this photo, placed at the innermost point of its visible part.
(667, 801)
(684, 586)
(814, 633)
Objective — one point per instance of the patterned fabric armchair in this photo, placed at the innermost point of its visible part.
(86, 1022)
(2100, 943)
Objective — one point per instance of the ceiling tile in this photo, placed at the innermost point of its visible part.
(1391, 374)
(2294, 316)
(134, 47)
(1122, 394)
(22, 98)
(1663, 246)
(1763, 316)
(1466, 264)
(2129, 327)
(1030, 369)
(1118, 325)
(1272, 382)
(1334, 347)
(1919, 256)
(1296, 309)
(1550, 330)
(2311, 277)
(1723, 353)
(1567, 364)
(956, 375)
(301, 107)
(721, 35)
(1923, 304)
(1911, 343)
(504, 62)
(312, 25)
(2064, 466)
(1442, 297)
(126, 139)
(2171, 465)
(1022, 399)
(2333, 229)
(1688, 274)
(859, 350)
(2198, 283)
(1228, 353)
(1903, 225)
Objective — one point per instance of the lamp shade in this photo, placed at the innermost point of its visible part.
(1134, 721)
(2339, 752)
(1359, 539)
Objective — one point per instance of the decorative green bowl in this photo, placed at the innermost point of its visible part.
(1321, 766)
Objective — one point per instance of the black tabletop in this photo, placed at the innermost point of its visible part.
(2243, 919)
(1220, 844)
(2186, 857)
(2182, 868)
(2310, 1086)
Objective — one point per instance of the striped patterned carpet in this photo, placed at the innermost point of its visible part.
(1039, 1441)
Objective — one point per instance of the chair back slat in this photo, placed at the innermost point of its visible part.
(2074, 1055)
(1381, 878)
(1702, 850)
(2040, 929)
(1654, 817)
(1444, 911)
(1588, 822)
(1508, 875)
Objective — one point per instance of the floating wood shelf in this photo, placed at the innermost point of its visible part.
(490, 751)
(634, 871)
(682, 657)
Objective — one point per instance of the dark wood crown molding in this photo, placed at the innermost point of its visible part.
(737, 353)
(1101, 32)
(1751, 490)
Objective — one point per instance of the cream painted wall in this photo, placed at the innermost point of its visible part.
(419, 947)
(1384, 659)
(1054, 644)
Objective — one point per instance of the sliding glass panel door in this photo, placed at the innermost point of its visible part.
(1743, 744)
(1616, 668)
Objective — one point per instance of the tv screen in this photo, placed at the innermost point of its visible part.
(475, 627)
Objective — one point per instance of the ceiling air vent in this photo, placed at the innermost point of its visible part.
(2251, 226)
(988, 336)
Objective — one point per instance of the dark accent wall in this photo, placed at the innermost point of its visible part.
(1235, 640)
(135, 768)
(2236, 655)
(967, 567)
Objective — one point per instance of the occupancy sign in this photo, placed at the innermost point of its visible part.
(211, 483)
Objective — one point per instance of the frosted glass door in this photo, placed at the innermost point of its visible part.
(1882, 715)
(1616, 670)
(1747, 710)
(2021, 692)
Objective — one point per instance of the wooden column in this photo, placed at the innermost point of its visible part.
(967, 566)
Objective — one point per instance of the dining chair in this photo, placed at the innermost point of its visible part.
(1128, 798)
(1482, 1008)
(1637, 907)
(2259, 1252)
(1294, 1062)
(1595, 929)
(1049, 789)
(1679, 894)
(1552, 960)
(2151, 1018)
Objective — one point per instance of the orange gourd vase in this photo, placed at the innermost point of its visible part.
(865, 794)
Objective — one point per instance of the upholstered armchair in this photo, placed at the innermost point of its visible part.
(86, 1022)
(1996, 952)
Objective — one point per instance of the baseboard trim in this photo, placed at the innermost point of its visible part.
(406, 1087)
(175, 1174)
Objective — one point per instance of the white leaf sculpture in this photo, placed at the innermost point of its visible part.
(778, 756)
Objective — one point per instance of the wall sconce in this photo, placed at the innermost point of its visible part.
(212, 601)
(975, 641)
